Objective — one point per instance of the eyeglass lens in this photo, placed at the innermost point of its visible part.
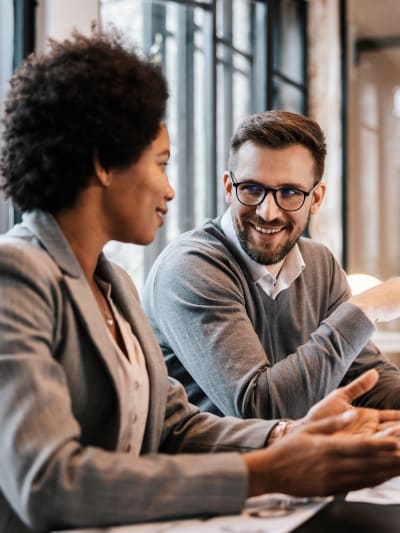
(285, 197)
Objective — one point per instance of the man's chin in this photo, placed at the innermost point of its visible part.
(266, 258)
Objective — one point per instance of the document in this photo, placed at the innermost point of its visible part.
(262, 514)
(385, 494)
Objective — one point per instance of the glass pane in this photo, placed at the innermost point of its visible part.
(126, 16)
(214, 55)
(6, 62)
(373, 151)
(289, 56)
(288, 97)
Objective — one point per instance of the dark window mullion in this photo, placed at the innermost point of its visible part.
(185, 118)
(303, 26)
(270, 48)
(259, 18)
(210, 111)
(24, 30)
(154, 35)
(227, 74)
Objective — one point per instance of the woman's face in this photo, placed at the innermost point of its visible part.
(136, 199)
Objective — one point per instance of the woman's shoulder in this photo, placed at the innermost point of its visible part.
(26, 256)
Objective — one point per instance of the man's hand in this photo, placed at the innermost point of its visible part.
(364, 421)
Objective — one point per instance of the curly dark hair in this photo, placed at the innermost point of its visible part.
(86, 95)
(278, 129)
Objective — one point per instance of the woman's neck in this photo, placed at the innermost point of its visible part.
(82, 229)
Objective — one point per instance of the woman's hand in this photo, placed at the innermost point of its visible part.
(322, 458)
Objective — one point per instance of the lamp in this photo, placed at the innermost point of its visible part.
(361, 282)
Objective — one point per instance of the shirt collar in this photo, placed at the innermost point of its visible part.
(292, 266)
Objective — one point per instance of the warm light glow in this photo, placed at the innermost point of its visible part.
(361, 282)
(396, 102)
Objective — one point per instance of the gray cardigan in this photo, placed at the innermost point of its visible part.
(61, 410)
(238, 351)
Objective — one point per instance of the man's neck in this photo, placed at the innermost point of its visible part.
(275, 268)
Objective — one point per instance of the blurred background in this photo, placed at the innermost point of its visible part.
(335, 60)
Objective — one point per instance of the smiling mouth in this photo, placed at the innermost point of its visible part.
(267, 231)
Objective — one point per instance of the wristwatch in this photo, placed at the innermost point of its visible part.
(278, 431)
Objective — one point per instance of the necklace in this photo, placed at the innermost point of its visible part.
(107, 315)
(109, 318)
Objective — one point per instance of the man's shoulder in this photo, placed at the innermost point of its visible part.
(203, 252)
(314, 249)
(318, 258)
(208, 238)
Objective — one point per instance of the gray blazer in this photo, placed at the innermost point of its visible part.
(61, 411)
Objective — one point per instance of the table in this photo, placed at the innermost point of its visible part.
(353, 517)
(337, 516)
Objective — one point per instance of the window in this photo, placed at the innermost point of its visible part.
(16, 41)
(224, 59)
(6, 67)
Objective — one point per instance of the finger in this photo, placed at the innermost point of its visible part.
(389, 415)
(366, 477)
(388, 425)
(332, 424)
(363, 446)
(388, 430)
(360, 385)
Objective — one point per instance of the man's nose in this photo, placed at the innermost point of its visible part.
(268, 210)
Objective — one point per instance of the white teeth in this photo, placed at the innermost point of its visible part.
(267, 231)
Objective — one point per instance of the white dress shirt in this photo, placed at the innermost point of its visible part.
(292, 265)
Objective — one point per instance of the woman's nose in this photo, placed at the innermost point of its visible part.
(170, 192)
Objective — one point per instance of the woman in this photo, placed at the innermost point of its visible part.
(91, 428)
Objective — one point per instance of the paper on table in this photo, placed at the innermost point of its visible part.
(384, 494)
(292, 511)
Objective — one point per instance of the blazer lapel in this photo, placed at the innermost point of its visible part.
(90, 316)
(126, 298)
(45, 228)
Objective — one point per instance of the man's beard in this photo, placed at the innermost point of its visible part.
(265, 256)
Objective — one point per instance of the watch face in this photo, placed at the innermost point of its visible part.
(274, 506)
(271, 513)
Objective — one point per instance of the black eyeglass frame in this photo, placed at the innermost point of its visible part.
(274, 192)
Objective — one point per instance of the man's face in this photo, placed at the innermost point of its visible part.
(266, 232)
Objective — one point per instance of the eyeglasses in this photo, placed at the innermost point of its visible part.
(286, 198)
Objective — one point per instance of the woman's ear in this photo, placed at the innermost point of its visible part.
(103, 175)
(317, 197)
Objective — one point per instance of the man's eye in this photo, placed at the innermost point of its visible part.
(251, 188)
(288, 192)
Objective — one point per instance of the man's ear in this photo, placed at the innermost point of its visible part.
(103, 175)
(317, 197)
(228, 187)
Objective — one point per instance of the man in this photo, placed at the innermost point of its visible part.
(252, 317)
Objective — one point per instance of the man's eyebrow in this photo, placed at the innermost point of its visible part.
(165, 152)
(289, 185)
